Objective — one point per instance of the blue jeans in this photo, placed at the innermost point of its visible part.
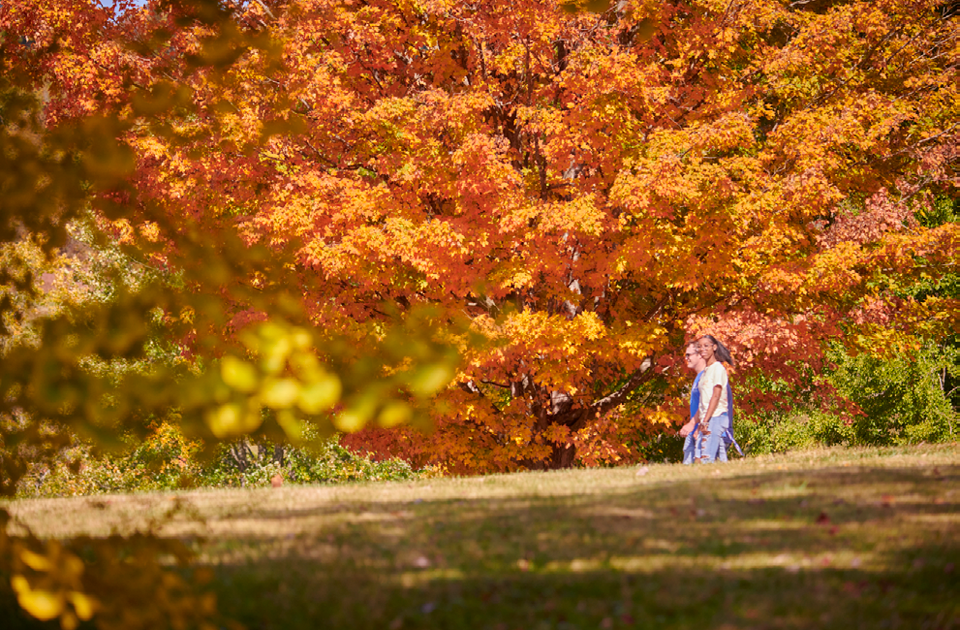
(691, 446)
(712, 446)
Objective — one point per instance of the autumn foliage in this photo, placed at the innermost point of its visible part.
(587, 191)
(244, 216)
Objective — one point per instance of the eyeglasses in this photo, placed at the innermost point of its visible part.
(690, 354)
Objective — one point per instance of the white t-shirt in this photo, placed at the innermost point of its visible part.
(714, 375)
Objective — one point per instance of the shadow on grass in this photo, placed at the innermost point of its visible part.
(834, 548)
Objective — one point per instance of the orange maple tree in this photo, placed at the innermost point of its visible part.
(590, 190)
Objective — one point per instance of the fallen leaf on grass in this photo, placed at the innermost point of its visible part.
(421, 562)
(823, 519)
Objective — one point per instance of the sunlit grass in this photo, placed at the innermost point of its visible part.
(828, 539)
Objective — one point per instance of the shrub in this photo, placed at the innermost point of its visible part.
(167, 461)
(771, 433)
(903, 396)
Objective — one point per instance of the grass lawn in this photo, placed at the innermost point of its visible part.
(818, 539)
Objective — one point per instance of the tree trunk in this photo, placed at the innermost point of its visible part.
(563, 455)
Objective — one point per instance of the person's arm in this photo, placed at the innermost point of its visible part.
(714, 401)
(688, 427)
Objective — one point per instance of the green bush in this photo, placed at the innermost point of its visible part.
(772, 433)
(904, 397)
(167, 461)
(327, 464)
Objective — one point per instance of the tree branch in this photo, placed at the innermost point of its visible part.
(638, 378)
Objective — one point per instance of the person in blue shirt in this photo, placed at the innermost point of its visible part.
(689, 431)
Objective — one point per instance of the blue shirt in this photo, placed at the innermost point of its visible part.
(695, 396)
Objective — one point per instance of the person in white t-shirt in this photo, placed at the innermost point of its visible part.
(714, 415)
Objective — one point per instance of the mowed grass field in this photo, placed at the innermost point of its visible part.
(836, 538)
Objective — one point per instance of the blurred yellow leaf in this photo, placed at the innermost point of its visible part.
(43, 605)
(395, 413)
(301, 339)
(238, 374)
(279, 393)
(274, 353)
(35, 561)
(83, 604)
(430, 379)
(320, 395)
(233, 419)
(350, 421)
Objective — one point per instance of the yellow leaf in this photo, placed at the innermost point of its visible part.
(320, 395)
(43, 605)
(233, 419)
(430, 379)
(19, 583)
(358, 414)
(238, 374)
(83, 604)
(35, 561)
(279, 393)
(301, 339)
(395, 413)
(350, 421)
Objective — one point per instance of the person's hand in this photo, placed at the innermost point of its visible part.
(687, 428)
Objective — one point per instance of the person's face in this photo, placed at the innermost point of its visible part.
(707, 349)
(692, 356)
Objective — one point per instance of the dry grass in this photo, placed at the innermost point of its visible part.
(829, 539)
